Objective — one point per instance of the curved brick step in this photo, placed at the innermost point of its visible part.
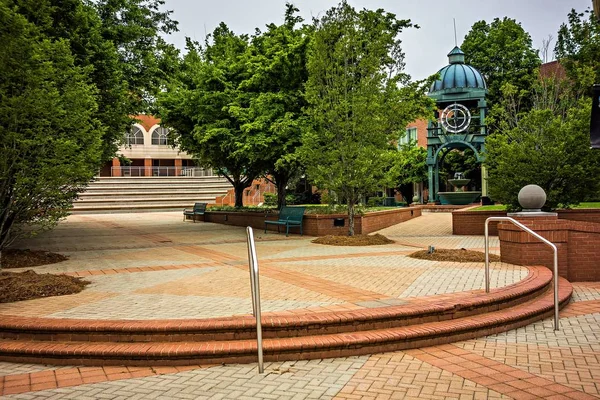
(306, 347)
(420, 310)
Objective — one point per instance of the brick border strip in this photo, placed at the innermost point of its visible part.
(432, 309)
(281, 349)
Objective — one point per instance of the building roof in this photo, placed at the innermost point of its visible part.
(458, 75)
(147, 121)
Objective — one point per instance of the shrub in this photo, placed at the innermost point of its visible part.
(270, 199)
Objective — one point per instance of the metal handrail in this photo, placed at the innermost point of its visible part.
(255, 290)
(537, 236)
(127, 170)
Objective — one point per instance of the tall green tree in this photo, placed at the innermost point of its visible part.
(274, 119)
(502, 51)
(50, 139)
(578, 49)
(547, 145)
(120, 43)
(358, 97)
(202, 105)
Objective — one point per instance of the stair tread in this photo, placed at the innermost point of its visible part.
(445, 329)
(538, 279)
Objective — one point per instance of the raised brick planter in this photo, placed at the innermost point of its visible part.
(319, 224)
(578, 246)
(471, 223)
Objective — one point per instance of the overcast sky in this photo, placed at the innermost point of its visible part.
(425, 48)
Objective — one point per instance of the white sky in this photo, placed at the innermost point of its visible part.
(425, 48)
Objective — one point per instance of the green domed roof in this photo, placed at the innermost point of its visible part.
(458, 76)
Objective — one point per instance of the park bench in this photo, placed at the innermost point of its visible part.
(199, 209)
(288, 216)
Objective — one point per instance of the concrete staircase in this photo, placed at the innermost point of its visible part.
(135, 194)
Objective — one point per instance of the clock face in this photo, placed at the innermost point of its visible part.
(455, 118)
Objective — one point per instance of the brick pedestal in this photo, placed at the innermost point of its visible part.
(578, 246)
(147, 167)
(116, 170)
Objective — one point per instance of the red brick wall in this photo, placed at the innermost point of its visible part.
(382, 219)
(584, 214)
(578, 245)
(472, 223)
(584, 251)
(318, 225)
(421, 125)
(465, 222)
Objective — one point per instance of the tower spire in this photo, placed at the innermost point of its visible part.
(455, 40)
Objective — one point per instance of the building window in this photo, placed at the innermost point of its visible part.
(410, 135)
(135, 136)
(160, 136)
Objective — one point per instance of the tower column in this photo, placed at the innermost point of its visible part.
(484, 181)
(431, 187)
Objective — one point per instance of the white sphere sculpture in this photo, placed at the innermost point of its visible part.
(532, 198)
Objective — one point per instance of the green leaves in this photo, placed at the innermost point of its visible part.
(49, 136)
(578, 49)
(548, 150)
(237, 104)
(502, 51)
(356, 100)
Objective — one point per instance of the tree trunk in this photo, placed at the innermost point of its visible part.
(281, 191)
(239, 194)
(350, 218)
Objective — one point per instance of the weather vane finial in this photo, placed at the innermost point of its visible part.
(455, 41)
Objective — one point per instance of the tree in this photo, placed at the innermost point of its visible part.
(578, 49)
(547, 146)
(202, 105)
(409, 167)
(119, 43)
(358, 96)
(502, 51)
(50, 140)
(274, 119)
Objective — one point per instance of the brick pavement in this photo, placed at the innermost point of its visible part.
(530, 362)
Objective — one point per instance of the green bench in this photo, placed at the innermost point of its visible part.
(199, 209)
(288, 217)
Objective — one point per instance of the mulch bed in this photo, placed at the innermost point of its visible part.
(17, 286)
(356, 240)
(15, 258)
(457, 255)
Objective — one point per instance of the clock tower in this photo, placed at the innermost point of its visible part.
(460, 120)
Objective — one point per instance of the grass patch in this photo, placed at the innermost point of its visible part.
(356, 240)
(594, 204)
(498, 207)
(454, 255)
(18, 286)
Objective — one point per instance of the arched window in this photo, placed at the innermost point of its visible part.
(160, 136)
(134, 136)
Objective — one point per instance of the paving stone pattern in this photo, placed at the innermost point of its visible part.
(211, 280)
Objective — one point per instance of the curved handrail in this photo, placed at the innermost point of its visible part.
(537, 236)
(255, 290)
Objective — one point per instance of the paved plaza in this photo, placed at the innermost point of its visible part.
(154, 266)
